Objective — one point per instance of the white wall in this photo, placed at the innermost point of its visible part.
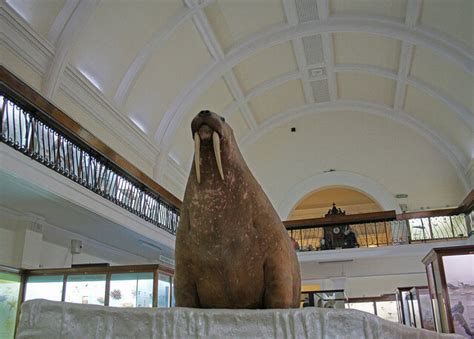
(22, 245)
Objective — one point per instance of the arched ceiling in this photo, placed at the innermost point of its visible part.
(356, 67)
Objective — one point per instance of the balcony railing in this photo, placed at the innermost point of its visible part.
(26, 128)
(376, 229)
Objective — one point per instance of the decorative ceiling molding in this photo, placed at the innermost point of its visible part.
(406, 55)
(23, 41)
(413, 13)
(78, 19)
(284, 32)
(79, 89)
(61, 20)
(292, 19)
(456, 157)
(156, 42)
(462, 112)
(328, 50)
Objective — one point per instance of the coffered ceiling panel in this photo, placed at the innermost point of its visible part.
(391, 8)
(360, 86)
(278, 99)
(444, 75)
(39, 14)
(265, 65)
(367, 49)
(100, 49)
(233, 21)
(166, 74)
(453, 17)
(440, 118)
(215, 99)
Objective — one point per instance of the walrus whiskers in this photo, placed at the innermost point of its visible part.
(197, 156)
(216, 142)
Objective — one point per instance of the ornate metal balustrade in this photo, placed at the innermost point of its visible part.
(23, 130)
(383, 230)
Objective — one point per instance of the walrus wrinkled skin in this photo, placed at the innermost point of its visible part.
(232, 250)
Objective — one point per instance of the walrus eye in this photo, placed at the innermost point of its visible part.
(223, 119)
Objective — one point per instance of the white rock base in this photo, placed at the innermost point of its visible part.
(48, 319)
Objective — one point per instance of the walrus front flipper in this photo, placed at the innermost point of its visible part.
(186, 292)
(281, 289)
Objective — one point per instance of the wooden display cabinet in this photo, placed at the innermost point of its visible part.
(450, 273)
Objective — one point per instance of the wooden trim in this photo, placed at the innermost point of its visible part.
(63, 294)
(43, 108)
(467, 204)
(100, 269)
(107, 289)
(428, 214)
(383, 297)
(155, 288)
(341, 220)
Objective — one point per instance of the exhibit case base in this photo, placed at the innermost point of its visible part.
(49, 319)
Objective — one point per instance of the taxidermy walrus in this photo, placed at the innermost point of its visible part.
(232, 250)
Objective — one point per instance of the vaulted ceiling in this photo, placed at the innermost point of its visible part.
(380, 90)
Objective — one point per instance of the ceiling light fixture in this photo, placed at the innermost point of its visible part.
(401, 195)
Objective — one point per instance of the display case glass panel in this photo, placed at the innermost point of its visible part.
(86, 289)
(426, 311)
(9, 294)
(48, 287)
(164, 290)
(459, 275)
(368, 307)
(131, 290)
(324, 299)
(387, 310)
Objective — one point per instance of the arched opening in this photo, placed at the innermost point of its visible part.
(317, 203)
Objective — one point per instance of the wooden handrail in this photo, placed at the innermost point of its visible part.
(341, 220)
(49, 112)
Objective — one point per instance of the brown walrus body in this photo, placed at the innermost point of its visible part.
(232, 250)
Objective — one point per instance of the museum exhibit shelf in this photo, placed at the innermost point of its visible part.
(414, 307)
(450, 273)
(118, 286)
(324, 298)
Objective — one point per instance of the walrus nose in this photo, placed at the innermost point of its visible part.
(204, 113)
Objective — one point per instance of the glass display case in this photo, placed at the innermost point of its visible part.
(414, 307)
(450, 272)
(324, 298)
(117, 286)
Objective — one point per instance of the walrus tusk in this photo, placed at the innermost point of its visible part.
(217, 152)
(197, 156)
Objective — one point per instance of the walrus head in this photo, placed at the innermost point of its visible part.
(208, 127)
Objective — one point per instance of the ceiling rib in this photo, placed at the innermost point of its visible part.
(155, 43)
(61, 20)
(454, 155)
(284, 32)
(292, 19)
(413, 12)
(209, 38)
(65, 42)
(328, 50)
